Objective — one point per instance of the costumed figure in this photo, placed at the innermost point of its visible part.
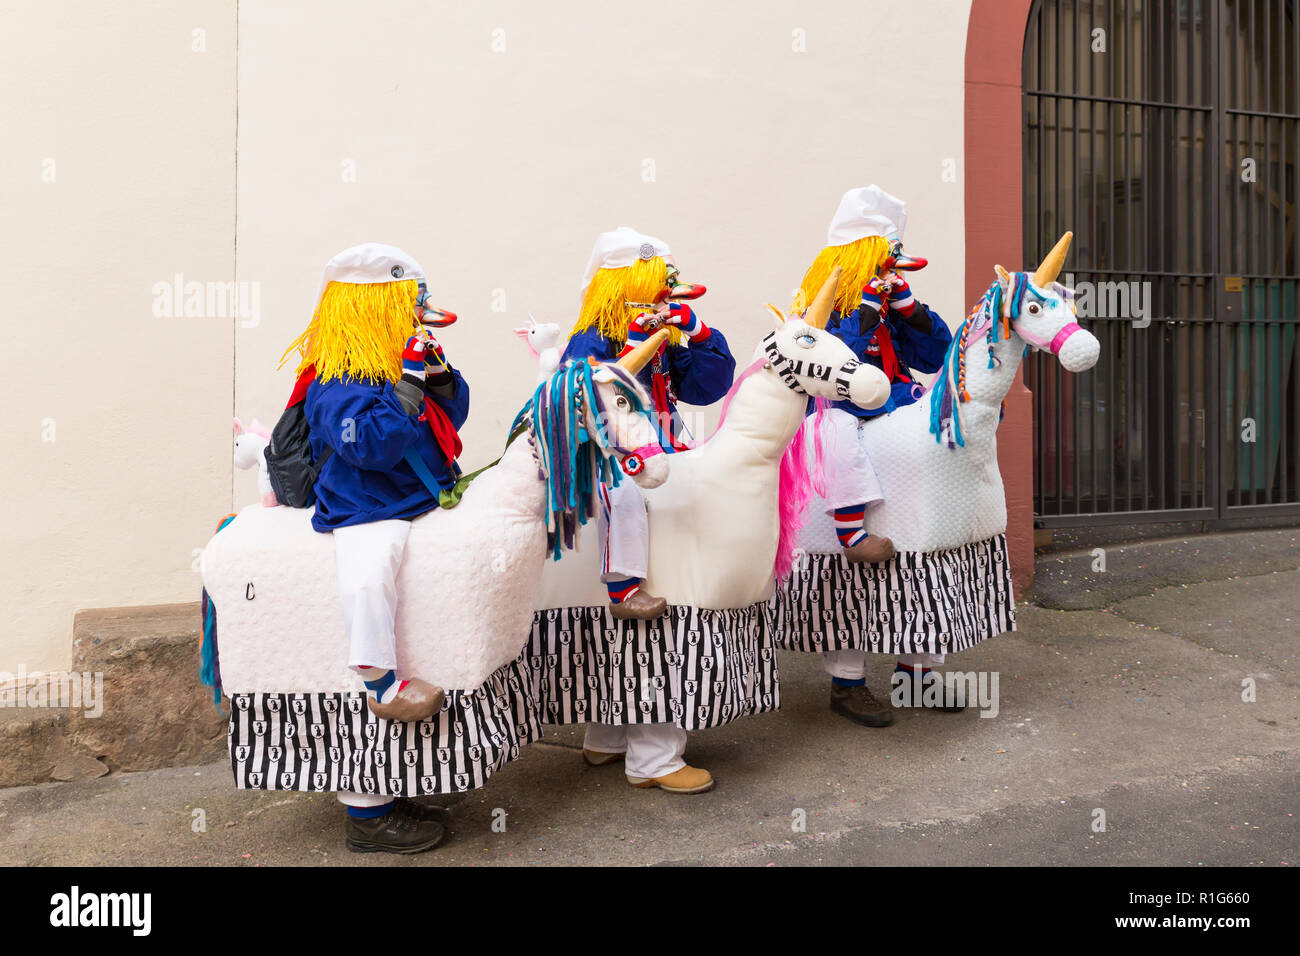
(436, 573)
(948, 586)
(631, 289)
(383, 408)
(722, 529)
(878, 317)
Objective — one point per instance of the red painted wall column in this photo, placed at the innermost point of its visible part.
(995, 39)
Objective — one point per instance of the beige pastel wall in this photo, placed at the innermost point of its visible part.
(116, 173)
(492, 141)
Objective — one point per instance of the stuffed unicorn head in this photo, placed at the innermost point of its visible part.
(543, 340)
(813, 361)
(1041, 311)
(250, 452)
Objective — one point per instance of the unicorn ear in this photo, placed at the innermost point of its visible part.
(1004, 276)
(776, 313)
(239, 427)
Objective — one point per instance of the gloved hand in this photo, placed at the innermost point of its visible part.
(409, 389)
(640, 329)
(437, 371)
(901, 299)
(683, 316)
(413, 360)
(874, 294)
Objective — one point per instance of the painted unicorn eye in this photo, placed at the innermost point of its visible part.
(1034, 308)
(622, 402)
(806, 339)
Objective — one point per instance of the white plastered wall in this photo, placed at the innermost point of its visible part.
(492, 141)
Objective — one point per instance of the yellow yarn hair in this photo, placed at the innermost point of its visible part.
(861, 261)
(358, 331)
(605, 307)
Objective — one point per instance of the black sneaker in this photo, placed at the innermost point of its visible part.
(860, 706)
(400, 830)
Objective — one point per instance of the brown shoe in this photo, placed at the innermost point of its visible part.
(871, 550)
(397, 831)
(418, 700)
(595, 758)
(640, 605)
(860, 706)
(686, 780)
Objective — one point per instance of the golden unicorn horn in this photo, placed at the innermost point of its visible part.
(640, 356)
(1052, 262)
(820, 311)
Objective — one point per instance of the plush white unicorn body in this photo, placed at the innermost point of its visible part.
(250, 452)
(467, 582)
(939, 494)
(715, 524)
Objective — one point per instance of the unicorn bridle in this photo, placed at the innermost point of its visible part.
(1015, 310)
(631, 460)
(1058, 340)
(791, 370)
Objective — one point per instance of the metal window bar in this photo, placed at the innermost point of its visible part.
(1140, 152)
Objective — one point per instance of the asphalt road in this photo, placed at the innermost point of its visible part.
(1126, 709)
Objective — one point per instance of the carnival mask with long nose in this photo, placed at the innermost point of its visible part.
(896, 261)
(674, 290)
(428, 316)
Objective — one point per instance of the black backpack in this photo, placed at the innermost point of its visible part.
(288, 459)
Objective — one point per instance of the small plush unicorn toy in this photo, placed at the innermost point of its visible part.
(250, 448)
(544, 342)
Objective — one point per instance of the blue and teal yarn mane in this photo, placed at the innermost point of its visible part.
(572, 462)
(950, 387)
(209, 660)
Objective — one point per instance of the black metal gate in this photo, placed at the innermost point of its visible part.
(1166, 135)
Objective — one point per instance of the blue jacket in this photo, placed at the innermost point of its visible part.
(698, 374)
(915, 349)
(367, 478)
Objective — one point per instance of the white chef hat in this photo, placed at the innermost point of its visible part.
(619, 249)
(370, 262)
(867, 211)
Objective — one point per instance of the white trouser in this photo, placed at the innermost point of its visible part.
(850, 477)
(653, 750)
(852, 664)
(350, 799)
(624, 532)
(368, 558)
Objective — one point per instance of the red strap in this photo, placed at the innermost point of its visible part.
(888, 357)
(664, 408)
(444, 433)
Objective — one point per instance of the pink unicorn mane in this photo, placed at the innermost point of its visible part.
(796, 487)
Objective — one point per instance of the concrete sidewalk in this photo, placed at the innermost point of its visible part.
(1130, 702)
